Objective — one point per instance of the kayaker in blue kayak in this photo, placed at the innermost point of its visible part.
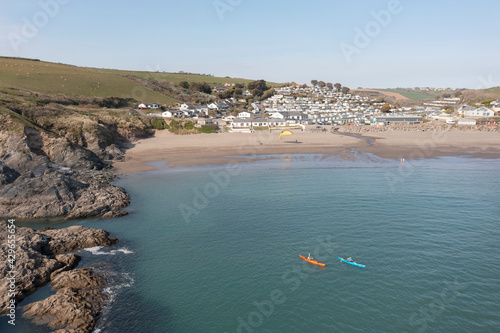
(350, 259)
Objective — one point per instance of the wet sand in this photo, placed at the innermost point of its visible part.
(221, 148)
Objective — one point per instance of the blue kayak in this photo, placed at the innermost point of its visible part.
(351, 262)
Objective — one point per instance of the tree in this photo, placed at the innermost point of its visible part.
(457, 93)
(322, 84)
(314, 82)
(238, 92)
(337, 86)
(446, 95)
(257, 88)
(184, 84)
(386, 108)
(268, 93)
(345, 90)
(329, 85)
(304, 86)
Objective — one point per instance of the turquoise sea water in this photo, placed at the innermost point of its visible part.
(216, 248)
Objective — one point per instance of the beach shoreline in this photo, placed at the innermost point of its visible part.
(224, 148)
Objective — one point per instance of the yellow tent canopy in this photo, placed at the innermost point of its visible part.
(285, 133)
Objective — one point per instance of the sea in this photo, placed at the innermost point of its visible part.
(216, 248)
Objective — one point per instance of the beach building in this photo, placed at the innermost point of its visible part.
(205, 121)
(465, 121)
(276, 122)
(143, 106)
(397, 120)
(241, 123)
(245, 115)
(186, 107)
(172, 113)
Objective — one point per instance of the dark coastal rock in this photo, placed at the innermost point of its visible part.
(75, 237)
(76, 305)
(69, 261)
(57, 194)
(47, 176)
(35, 262)
(32, 266)
(7, 175)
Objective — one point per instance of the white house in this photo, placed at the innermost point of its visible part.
(229, 118)
(186, 107)
(203, 109)
(244, 115)
(241, 123)
(205, 121)
(170, 114)
(467, 121)
(149, 106)
(247, 93)
(277, 115)
(481, 112)
(276, 122)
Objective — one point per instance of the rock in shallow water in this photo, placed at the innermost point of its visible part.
(39, 256)
(76, 305)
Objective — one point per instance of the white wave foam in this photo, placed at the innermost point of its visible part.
(97, 250)
(112, 290)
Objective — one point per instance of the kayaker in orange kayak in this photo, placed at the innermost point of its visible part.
(311, 260)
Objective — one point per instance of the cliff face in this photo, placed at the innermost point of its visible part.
(44, 176)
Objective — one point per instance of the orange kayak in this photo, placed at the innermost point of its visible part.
(312, 261)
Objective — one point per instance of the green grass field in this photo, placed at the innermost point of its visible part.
(418, 96)
(178, 77)
(495, 90)
(72, 81)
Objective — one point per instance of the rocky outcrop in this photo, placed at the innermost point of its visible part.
(76, 305)
(75, 237)
(47, 176)
(39, 256)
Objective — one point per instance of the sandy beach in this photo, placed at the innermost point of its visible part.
(206, 149)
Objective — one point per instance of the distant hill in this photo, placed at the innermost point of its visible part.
(476, 96)
(73, 81)
(416, 97)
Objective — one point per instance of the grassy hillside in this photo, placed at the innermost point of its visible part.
(477, 96)
(495, 90)
(178, 77)
(72, 81)
(418, 96)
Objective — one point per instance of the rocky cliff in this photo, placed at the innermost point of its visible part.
(40, 258)
(43, 176)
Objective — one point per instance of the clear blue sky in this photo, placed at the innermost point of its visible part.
(420, 43)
